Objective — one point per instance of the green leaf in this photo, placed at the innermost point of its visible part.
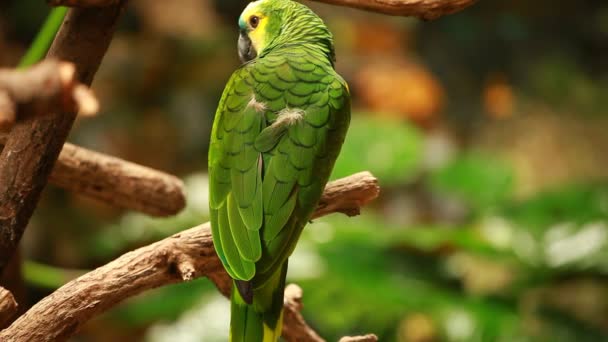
(44, 39)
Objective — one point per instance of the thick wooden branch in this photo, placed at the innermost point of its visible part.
(423, 9)
(33, 145)
(181, 257)
(116, 182)
(8, 307)
(48, 85)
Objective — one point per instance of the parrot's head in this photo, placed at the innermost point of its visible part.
(268, 24)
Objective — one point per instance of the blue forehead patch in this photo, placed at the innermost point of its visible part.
(242, 23)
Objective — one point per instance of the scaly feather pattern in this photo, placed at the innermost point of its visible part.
(278, 129)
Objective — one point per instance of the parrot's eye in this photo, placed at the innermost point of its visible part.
(254, 20)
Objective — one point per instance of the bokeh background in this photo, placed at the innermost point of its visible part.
(488, 132)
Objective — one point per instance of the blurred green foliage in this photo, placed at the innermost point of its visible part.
(386, 148)
(481, 182)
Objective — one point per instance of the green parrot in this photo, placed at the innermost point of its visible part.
(278, 129)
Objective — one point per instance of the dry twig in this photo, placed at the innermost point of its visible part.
(49, 84)
(33, 145)
(181, 257)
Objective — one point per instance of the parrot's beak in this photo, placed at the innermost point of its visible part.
(246, 49)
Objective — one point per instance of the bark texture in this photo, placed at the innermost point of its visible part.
(33, 91)
(32, 146)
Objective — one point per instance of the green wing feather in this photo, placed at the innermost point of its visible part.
(235, 179)
(267, 174)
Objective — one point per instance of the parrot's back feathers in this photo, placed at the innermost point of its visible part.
(277, 132)
(269, 137)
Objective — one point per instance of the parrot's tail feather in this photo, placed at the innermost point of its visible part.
(261, 321)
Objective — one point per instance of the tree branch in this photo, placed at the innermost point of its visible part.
(52, 85)
(33, 145)
(295, 327)
(33, 91)
(181, 257)
(12, 281)
(294, 324)
(423, 9)
(116, 182)
(8, 307)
